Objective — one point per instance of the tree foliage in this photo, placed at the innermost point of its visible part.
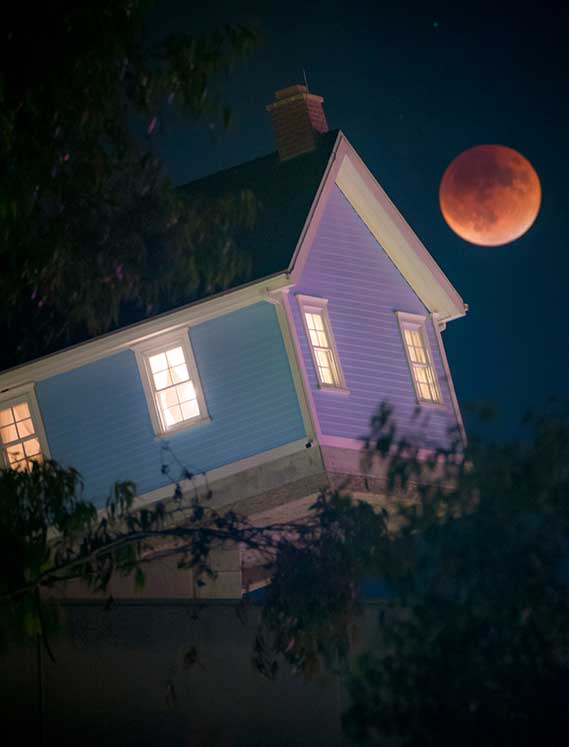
(310, 611)
(475, 639)
(473, 634)
(92, 232)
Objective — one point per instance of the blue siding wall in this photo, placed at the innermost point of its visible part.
(347, 266)
(96, 417)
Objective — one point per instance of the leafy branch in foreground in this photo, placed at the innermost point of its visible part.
(473, 548)
(311, 606)
(50, 536)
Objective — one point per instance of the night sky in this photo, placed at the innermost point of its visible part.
(412, 87)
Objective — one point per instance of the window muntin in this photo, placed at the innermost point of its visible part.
(20, 444)
(325, 363)
(321, 342)
(171, 383)
(174, 390)
(419, 358)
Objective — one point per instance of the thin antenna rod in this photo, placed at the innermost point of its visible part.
(305, 81)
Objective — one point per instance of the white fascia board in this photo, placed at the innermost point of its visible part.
(316, 212)
(394, 234)
(122, 339)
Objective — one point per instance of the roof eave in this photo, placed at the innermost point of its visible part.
(121, 339)
(311, 221)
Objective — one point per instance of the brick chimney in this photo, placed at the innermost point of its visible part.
(298, 119)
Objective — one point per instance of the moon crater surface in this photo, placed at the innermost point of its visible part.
(490, 195)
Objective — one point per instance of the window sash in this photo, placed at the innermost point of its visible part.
(324, 355)
(321, 342)
(171, 382)
(174, 391)
(22, 438)
(419, 358)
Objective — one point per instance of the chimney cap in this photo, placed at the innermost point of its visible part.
(285, 93)
(293, 93)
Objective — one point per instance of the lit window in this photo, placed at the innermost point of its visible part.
(322, 346)
(171, 383)
(22, 441)
(419, 358)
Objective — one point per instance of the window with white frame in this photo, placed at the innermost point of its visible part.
(22, 439)
(314, 312)
(419, 357)
(171, 382)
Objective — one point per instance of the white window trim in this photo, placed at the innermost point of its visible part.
(315, 304)
(17, 395)
(159, 343)
(418, 322)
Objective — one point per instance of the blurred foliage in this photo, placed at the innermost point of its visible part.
(92, 232)
(474, 640)
(48, 532)
(310, 611)
(472, 548)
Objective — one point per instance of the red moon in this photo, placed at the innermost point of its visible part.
(490, 195)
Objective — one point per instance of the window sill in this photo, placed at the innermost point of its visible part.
(181, 427)
(337, 389)
(432, 405)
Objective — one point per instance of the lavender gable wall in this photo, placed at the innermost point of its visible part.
(364, 288)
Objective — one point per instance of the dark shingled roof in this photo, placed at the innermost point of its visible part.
(284, 192)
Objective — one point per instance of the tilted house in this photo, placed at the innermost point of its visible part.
(268, 388)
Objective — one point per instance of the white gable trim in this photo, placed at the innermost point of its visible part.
(123, 339)
(300, 363)
(316, 212)
(439, 328)
(347, 170)
(279, 298)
